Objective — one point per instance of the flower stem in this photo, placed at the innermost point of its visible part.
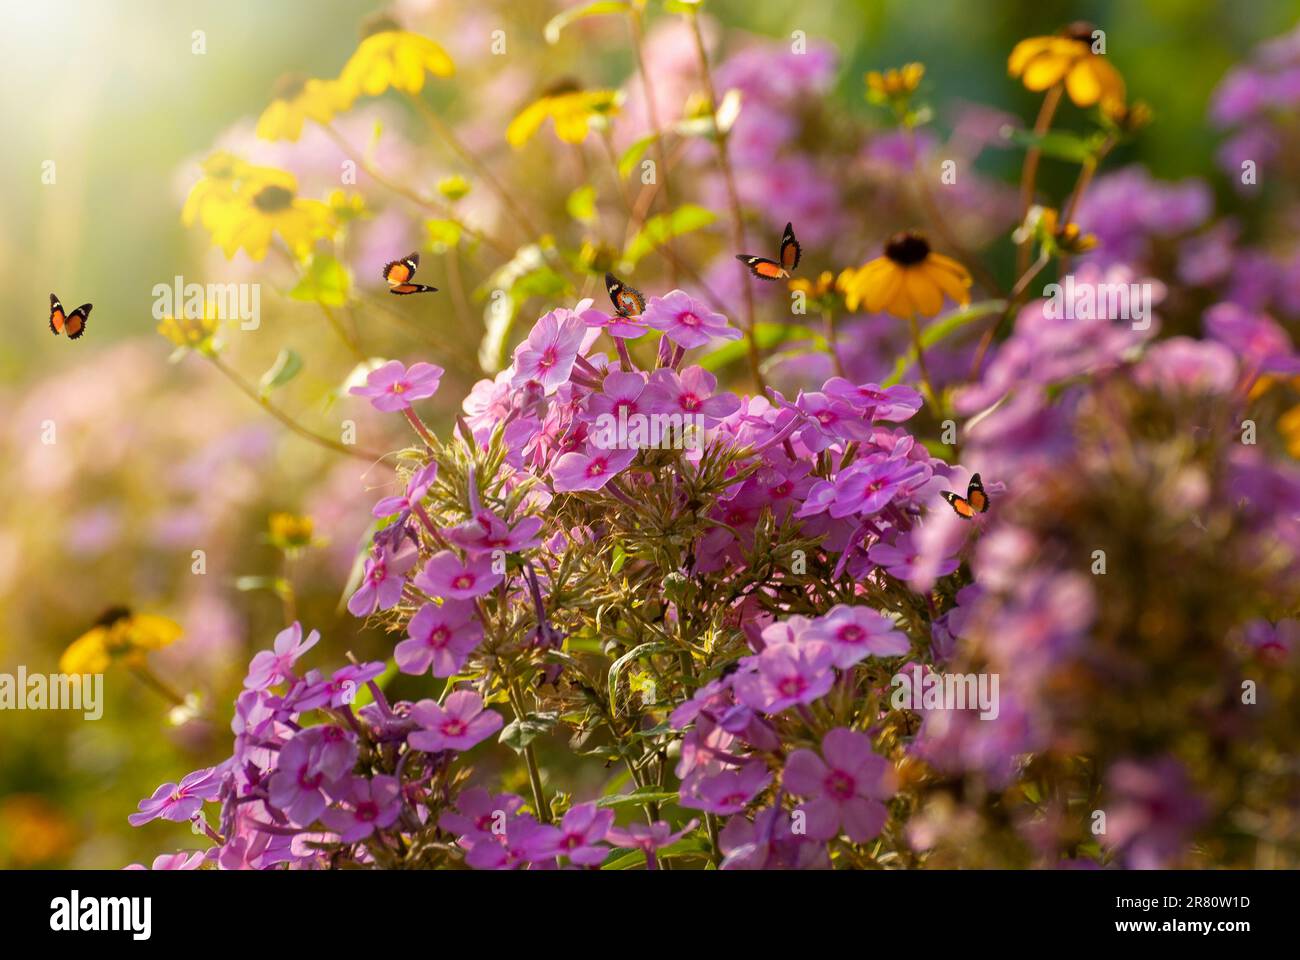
(287, 420)
(927, 386)
(1029, 173)
(541, 808)
(426, 203)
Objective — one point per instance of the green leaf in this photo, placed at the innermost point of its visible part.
(523, 731)
(561, 20)
(442, 234)
(1060, 144)
(936, 332)
(768, 336)
(638, 796)
(632, 155)
(617, 666)
(620, 558)
(326, 281)
(581, 204)
(287, 366)
(660, 229)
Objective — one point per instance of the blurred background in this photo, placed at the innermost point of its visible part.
(154, 460)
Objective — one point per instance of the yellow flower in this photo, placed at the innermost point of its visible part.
(910, 279)
(290, 531)
(891, 84)
(391, 57)
(572, 111)
(1068, 239)
(262, 211)
(454, 187)
(347, 207)
(118, 635)
(297, 99)
(218, 190)
(193, 333)
(814, 289)
(1043, 62)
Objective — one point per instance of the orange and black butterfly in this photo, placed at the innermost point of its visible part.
(766, 269)
(73, 324)
(628, 301)
(975, 501)
(399, 274)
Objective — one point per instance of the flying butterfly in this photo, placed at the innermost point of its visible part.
(766, 269)
(628, 301)
(975, 501)
(73, 324)
(399, 274)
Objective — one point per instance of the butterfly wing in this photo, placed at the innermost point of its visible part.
(400, 271)
(75, 322)
(975, 495)
(790, 250)
(403, 289)
(57, 316)
(960, 504)
(628, 301)
(762, 267)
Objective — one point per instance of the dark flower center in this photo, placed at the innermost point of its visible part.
(367, 810)
(271, 199)
(289, 86)
(112, 615)
(378, 23)
(907, 249)
(1080, 30)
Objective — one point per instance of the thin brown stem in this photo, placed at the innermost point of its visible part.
(1029, 173)
(425, 203)
(247, 389)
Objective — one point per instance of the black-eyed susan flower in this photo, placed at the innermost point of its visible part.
(1089, 78)
(290, 531)
(909, 280)
(263, 211)
(391, 57)
(119, 635)
(571, 110)
(193, 333)
(218, 190)
(900, 82)
(296, 99)
(347, 206)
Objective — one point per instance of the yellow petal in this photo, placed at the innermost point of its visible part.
(1025, 51)
(924, 292)
(87, 654)
(1045, 71)
(1082, 84)
(880, 289)
(523, 126)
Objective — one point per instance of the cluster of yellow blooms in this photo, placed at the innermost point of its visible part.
(245, 206)
(910, 279)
